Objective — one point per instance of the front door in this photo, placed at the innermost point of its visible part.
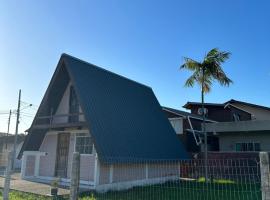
(62, 155)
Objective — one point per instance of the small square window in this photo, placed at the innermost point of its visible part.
(84, 144)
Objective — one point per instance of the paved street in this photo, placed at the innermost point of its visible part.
(30, 187)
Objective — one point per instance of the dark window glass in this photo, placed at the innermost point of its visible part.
(248, 146)
(73, 106)
(238, 147)
(257, 146)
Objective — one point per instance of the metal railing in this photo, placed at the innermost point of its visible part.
(152, 179)
(59, 120)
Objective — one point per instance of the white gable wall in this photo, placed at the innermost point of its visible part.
(63, 108)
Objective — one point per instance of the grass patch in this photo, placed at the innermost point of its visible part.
(14, 195)
(220, 181)
(186, 190)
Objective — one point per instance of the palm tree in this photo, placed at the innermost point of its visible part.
(204, 74)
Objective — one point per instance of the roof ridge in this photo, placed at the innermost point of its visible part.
(185, 112)
(175, 109)
(248, 104)
(103, 69)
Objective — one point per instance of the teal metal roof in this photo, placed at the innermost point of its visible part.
(124, 117)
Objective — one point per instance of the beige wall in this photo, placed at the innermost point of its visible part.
(163, 170)
(258, 113)
(87, 167)
(128, 172)
(30, 166)
(87, 162)
(104, 174)
(227, 141)
(135, 172)
(47, 162)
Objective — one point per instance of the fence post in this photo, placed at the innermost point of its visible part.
(265, 175)
(75, 176)
(7, 176)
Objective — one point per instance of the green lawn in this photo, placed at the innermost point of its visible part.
(20, 196)
(186, 190)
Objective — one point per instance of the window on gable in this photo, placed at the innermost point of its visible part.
(84, 144)
(177, 124)
(73, 106)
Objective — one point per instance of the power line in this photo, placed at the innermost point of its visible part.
(27, 103)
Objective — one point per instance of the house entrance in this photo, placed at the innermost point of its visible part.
(62, 155)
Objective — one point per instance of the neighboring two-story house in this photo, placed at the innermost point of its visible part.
(187, 127)
(240, 126)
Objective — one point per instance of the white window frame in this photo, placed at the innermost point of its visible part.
(77, 135)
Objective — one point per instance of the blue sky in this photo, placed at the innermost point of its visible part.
(142, 40)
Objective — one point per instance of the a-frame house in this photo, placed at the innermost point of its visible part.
(112, 121)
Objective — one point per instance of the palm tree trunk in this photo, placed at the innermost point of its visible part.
(204, 132)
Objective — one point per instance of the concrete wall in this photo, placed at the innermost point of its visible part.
(258, 113)
(227, 141)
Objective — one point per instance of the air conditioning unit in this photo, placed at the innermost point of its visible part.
(200, 111)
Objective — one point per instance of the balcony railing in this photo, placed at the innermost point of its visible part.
(238, 126)
(60, 120)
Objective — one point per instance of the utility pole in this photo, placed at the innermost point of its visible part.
(8, 127)
(16, 130)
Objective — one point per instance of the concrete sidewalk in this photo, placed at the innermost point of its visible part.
(18, 184)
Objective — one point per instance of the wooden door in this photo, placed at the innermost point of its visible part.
(62, 155)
